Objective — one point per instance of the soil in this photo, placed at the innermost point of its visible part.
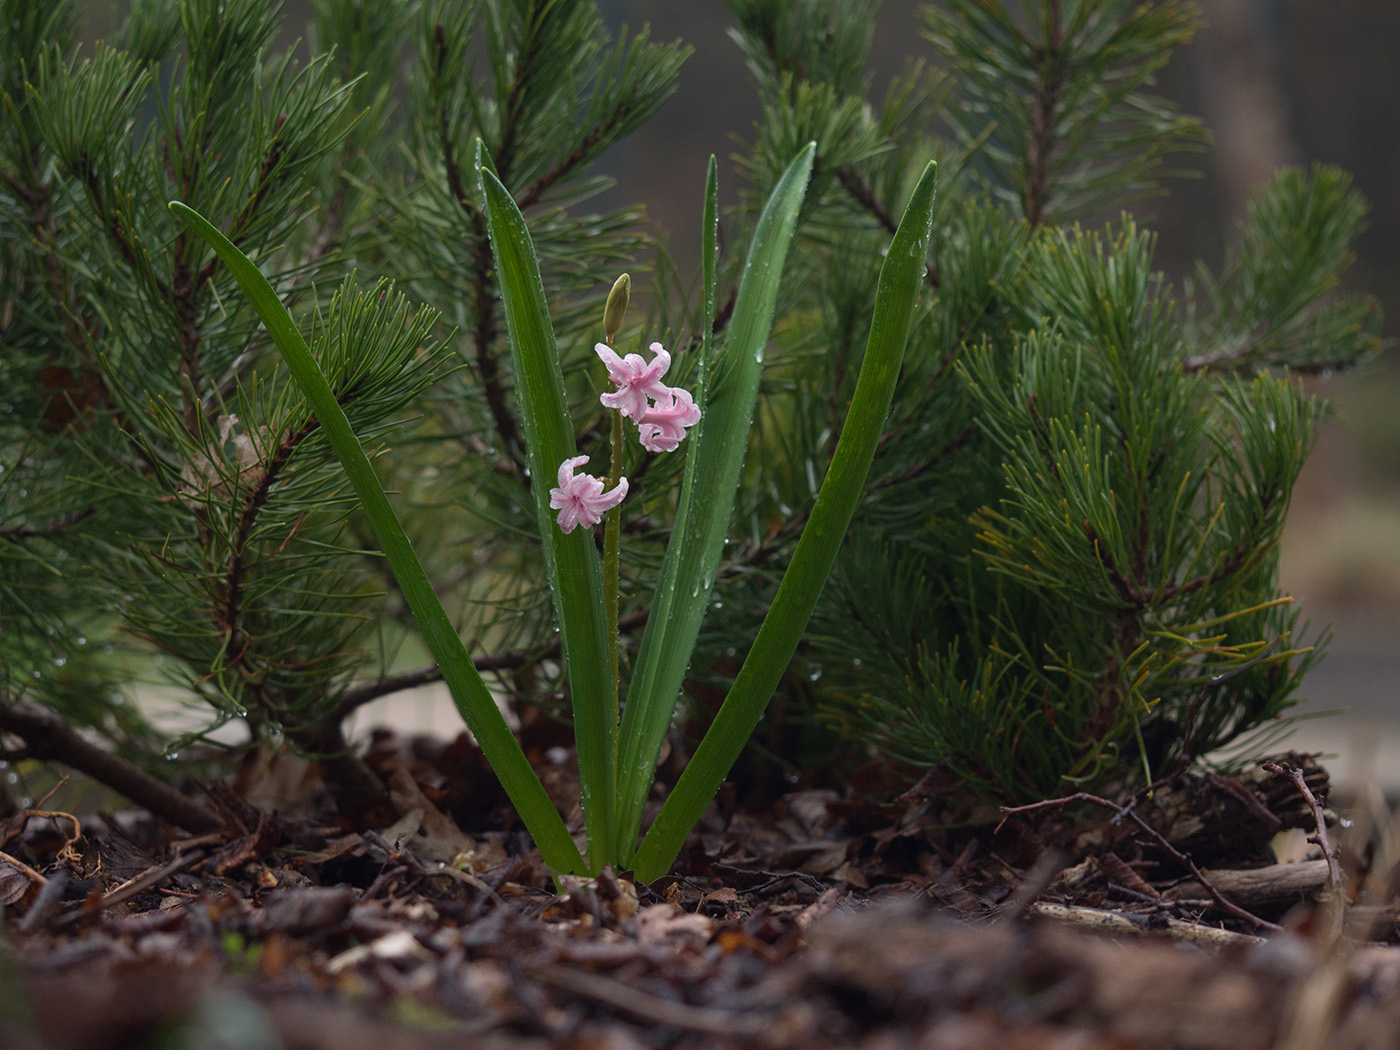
(816, 918)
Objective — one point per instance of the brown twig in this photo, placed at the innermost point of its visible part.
(505, 660)
(47, 736)
(650, 1008)
(1048, 865)
(1217, 898)
(24, 532)
(24, 869)
(1321, 839)
(1117, 924)
(863, 194)
(1043, 139)
(133, 887)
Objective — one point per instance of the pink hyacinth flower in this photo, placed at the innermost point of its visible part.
(580, 499)
(662, 426)
(635, 379)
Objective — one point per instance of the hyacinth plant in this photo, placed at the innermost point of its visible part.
(618, 744)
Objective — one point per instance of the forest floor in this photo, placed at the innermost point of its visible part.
(811, 918)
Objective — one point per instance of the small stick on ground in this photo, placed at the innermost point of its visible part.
(1118, 924)
(24, 869)
(1324, 843)
(1217, 898)
(1028, 891)
(147, 880)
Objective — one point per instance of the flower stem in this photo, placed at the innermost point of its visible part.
(612, 528)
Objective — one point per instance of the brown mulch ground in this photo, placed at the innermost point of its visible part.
(818, 920)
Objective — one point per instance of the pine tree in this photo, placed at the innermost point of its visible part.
(163, 479)
(1065, 573)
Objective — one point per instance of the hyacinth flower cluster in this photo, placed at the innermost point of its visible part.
(662, 414)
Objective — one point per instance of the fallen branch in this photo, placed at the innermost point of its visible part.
(1276, 885)
(48, 737)
(1217, 898)
(1117, 924)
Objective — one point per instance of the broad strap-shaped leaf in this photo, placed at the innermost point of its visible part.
(719, 440)
(574, 569)
(901, 278)
(469, 691)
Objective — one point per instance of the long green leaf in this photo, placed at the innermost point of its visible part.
(574, 570)
(707, 490)
(469, 692)
(901, 278)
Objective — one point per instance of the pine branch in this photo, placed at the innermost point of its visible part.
(484, 332)
(484, 336)
(571, 162)
(864, 194)
(184, 300)
(504, 154)
(24, 532)
(88, 177)
(36, 192)
(1050, 80)
(1229, 358)
(232, 599)
(363, 693)
(48, 737)
(264, 186)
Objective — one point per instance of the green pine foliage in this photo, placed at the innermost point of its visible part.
(1063, 572)
(1064, 575)
(216, 532)
(167, 491)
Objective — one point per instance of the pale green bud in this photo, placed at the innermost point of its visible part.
(616, 309)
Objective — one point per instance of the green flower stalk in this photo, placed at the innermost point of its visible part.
(663, 415)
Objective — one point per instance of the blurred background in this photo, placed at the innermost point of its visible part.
(1278, 82)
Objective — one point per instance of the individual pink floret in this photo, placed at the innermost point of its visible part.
(580, 499)
(662, 426)
(635, 379)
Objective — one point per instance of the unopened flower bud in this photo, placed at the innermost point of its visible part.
(616, 309)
